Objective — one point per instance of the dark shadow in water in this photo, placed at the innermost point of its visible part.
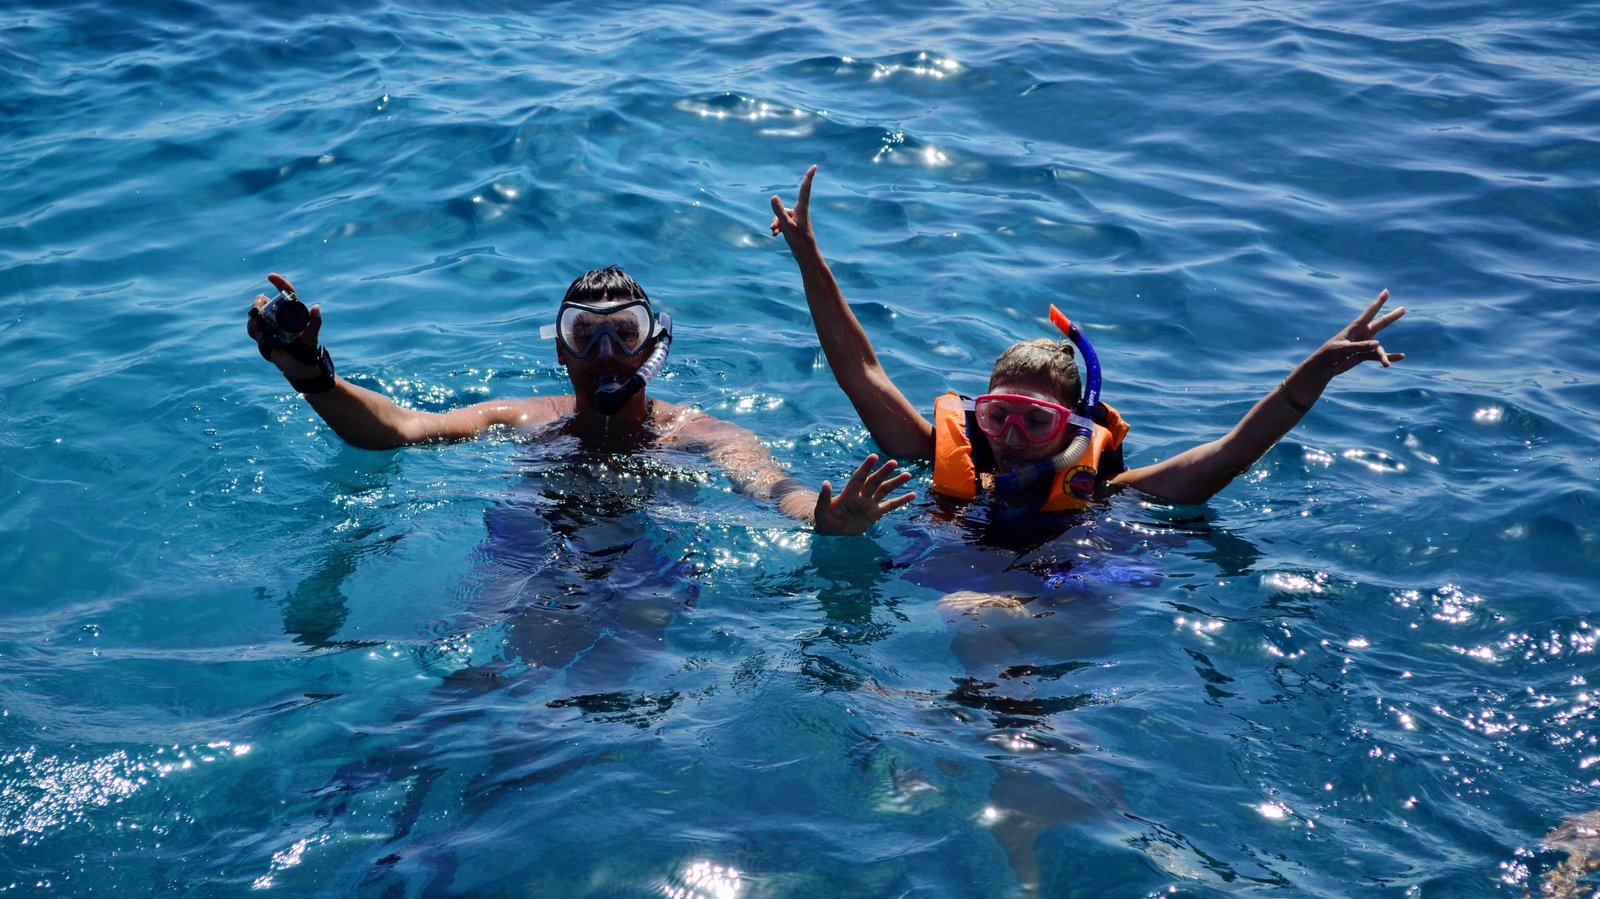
(315, 609)
(849, 575)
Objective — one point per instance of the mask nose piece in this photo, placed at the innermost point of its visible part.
(1011, 435)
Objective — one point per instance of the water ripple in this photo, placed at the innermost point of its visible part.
(1368, 661)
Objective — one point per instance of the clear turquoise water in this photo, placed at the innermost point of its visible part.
(236, 655)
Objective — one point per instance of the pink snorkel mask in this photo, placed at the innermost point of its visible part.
(1034, 420)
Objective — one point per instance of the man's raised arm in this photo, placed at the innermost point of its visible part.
(361, 417)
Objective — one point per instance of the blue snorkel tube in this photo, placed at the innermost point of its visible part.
(1082, 417)
(610, 397)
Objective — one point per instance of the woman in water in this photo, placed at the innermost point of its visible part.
(1036, 414)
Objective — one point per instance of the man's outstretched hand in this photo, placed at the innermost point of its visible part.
(864, 499)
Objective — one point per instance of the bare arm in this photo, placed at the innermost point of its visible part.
(1196, 475)
(370, 420)
(755, 473)
(893, 421)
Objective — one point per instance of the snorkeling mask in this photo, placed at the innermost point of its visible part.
(1080, 420)
(1036, 421)
(629, 326)
(579, 326)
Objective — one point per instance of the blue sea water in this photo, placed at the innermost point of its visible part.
(238, 656)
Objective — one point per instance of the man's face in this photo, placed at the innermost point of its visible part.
(604, 339)
(1010, 445)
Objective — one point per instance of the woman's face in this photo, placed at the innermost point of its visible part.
(1011, 448)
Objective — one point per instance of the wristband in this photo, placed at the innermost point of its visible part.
(322, 382)
(1296, 405)
(303, 353)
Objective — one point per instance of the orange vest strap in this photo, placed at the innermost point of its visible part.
(954, 473)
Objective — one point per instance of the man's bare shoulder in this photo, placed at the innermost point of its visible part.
(674, 421)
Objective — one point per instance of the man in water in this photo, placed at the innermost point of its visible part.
(572, 580)
(1026, 420)
(611, 341)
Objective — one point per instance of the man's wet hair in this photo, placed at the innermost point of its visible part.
(1049, 364)
(610, 283)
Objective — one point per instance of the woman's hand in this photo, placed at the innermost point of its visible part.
(795, 224)
(1357, 342)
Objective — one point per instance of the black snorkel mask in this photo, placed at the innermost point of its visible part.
(629, 326)
(1082, 424)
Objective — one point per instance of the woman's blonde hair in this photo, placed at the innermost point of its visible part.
(1048, 363)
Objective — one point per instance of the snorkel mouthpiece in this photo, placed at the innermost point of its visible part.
(613, 394)
(1082, 417)
(1012, 481)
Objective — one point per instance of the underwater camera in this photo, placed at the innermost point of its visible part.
(285, 316)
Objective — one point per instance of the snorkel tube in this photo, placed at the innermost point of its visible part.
(611, 396)
(1082, 417)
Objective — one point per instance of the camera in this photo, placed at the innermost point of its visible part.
(285, 316)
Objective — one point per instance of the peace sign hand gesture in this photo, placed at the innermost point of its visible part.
(1358, 341)
(795, 224)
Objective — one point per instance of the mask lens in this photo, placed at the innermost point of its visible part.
(1037, 420)
(580, 327)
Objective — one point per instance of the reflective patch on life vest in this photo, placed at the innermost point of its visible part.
(1080, 481)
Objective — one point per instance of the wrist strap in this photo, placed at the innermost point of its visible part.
(322, 382)
(303, 354)
(1296, 405)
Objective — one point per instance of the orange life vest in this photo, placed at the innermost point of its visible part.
(958, 461)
